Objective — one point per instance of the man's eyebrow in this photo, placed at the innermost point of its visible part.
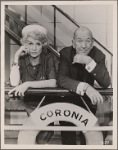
(79, 38)
(89, 38)
(28, 41)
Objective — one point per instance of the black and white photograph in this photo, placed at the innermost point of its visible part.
(59, 74)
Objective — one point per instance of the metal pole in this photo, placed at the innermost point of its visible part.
(55, 28)
(25, 14)
(76, 23)
(111, 71)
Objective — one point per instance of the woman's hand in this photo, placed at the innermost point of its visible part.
(19, 90)
(23, 50)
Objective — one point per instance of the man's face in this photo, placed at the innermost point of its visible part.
(34, 46)
(83, 42)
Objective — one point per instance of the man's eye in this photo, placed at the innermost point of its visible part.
(88, 41)
(79, 41)
(30, 43)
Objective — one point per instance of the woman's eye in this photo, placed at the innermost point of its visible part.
(38, 44)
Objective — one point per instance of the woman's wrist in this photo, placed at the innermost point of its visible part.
(27, 83)
(16, 58)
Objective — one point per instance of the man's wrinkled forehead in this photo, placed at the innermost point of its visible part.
(83, 32)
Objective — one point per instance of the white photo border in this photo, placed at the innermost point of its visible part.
(114, 4)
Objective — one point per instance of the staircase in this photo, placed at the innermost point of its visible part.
(13, 26)
(58, 38)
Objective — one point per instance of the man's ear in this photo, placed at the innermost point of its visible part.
(92, 43)
(73, 43)
(92, 40)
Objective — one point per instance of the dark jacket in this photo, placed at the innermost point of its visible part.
(70, 75)
(43, 71)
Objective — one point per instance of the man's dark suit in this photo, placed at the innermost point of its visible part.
(70, 75)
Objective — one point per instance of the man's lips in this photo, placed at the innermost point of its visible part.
(33, 52)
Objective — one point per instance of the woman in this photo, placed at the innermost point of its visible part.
(32, 68)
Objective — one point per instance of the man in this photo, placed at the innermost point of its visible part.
(80, 65)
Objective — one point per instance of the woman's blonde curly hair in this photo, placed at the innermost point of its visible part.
(37, 36)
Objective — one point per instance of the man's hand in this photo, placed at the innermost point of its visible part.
(19, 90)
(82, 59)
(94, 95)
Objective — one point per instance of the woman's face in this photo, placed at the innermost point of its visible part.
(34, 47)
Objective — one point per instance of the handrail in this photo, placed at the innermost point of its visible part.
(16, 37)
(66, 15)
(58, 91)
(7, 11)
(73, 21)
(54, 51)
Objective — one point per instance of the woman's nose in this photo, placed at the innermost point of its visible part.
(34, 47)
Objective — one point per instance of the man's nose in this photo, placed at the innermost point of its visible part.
(83, 45)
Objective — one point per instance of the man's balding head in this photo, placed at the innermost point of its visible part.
(82, 40)
(82, 29)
